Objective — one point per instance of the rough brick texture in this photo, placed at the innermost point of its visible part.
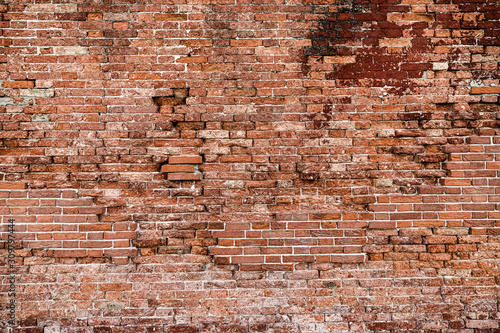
(251, 166)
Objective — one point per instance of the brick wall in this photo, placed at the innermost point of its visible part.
(250, 166)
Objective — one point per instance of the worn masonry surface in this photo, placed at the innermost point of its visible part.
(250, 165)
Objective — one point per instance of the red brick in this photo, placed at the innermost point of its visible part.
(18, 84)
(418, 17)
(22, 202)
(185, 160)
(339, 59)
(485, 90)
(347, 258)
(170, 17)
(115, 286)
(177, 168)
(12, 185)
(70, 253)
(246, 42)
(197, 42)
(180, 168)
(481, 324)
(181, 328)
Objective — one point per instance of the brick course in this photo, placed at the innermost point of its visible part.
(258, 166)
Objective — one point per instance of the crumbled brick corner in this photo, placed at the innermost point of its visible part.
(178, 97)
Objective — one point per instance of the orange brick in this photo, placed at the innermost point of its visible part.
(177, 168)
(217, 67)
(170, 17)
(485, 90)
(197, 43)
(22, 202)
(185, 160)
(12, 185)
(345, 258)
(418, 17)
(18, 84)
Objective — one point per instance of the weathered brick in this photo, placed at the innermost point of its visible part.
(177, 168)
(409, 150)
(184, 176)
(485, 90)
(185, 160)
(315, 166)
(69, 253)
(481, 324)
(170, 17)
(18, 84)
(339, 60)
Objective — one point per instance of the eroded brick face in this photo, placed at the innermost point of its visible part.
(251, 166)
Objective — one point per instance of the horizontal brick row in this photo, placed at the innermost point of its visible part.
(182, 168)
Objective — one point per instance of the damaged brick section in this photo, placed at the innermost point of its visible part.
(178, 98)
(183, 168)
